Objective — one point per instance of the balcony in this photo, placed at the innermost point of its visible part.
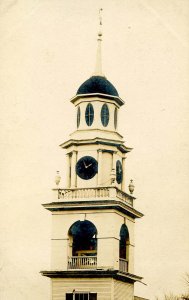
(99, 193)
(82, 262)
(90, 262)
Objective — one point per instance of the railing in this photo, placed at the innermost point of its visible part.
(82, 262)
(124, 197)
(123, 265)
(84, 193)
(90, 262)
(94, 194)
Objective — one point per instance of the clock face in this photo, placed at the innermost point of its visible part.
(86, 167)
(119, 172)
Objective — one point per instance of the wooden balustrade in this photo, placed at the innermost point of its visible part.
(83, 193)
(123, 196)
(82, 262)
(90, 262)
(95, 193)
(123, 265)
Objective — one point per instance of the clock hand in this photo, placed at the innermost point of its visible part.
(85, 164)
(89, 165)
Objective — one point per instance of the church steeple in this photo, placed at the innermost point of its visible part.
(98, 66)
(94, 215)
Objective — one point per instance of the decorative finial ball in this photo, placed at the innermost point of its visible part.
(131, 186)
(57, 178)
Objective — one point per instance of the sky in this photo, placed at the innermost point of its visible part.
(47, 51)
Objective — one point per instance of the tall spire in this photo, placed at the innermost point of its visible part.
(98, 67)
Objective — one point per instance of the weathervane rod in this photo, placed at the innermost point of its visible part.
(100, 15)
(98, 67)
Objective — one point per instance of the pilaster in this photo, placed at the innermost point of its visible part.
(68, 170)
(99, 177)
(123, 168)
(73, 172)
(114, 160)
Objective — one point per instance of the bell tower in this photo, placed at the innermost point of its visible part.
(93, 216)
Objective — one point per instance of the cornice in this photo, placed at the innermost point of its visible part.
(116, 99)
(100, 130)
(125, 277)
(94, 204)
(98, 141)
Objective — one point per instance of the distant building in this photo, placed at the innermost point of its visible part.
(93, 217)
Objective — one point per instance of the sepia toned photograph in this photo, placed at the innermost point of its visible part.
(94, 150)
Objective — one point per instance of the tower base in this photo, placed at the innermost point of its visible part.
(92, 285)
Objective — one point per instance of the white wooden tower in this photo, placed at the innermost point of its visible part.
(93, 217)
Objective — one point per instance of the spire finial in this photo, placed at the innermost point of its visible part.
(98, 68)
(100, 15)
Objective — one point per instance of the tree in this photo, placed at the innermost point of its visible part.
(176, 297)
(186, 280)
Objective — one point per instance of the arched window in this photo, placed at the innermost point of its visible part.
(83, 235)
(89, 114)
(115, 118)
(78, 116)
(105, 115)
(124, 243)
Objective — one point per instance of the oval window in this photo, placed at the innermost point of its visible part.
(119, 172)
(115, 118)
(105, 115)
(78, 116)
(89, 114)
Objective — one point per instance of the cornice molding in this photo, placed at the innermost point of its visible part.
(93, 205)
(125, 277)
(98, 141)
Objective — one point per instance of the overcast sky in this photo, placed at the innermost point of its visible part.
(47, 49)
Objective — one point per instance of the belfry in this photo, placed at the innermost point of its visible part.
(93, 217)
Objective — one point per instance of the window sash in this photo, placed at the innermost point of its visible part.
(81, 296)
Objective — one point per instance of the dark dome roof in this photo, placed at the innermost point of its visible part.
(97, 84)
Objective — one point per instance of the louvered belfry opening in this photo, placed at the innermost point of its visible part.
(124, 249)
(83, 245)
(84, 238)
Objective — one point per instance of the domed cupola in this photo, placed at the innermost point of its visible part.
(97, 85)
(97, 104)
